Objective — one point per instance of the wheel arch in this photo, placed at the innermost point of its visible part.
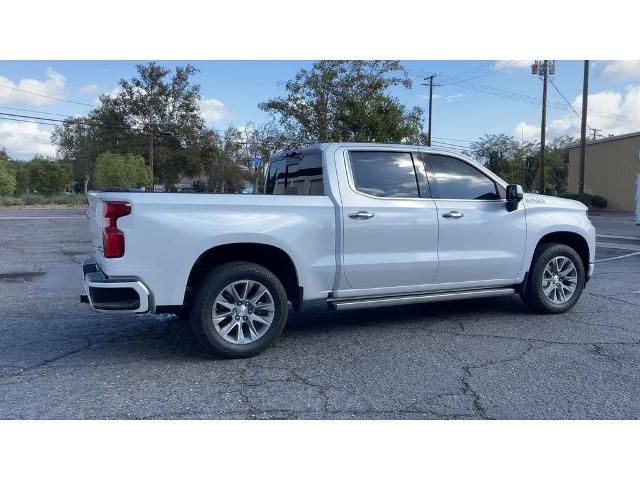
(572, 239)
(270, 257)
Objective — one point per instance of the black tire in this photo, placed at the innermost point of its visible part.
(534, 295)
(201, 308)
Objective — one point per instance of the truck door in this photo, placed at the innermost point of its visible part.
(480, 242)
(390, 221)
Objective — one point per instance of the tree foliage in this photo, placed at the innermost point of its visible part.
(518, 162)
(7, 175)
(347, 101)
(48, 177)
(155, 104)
(113, 170)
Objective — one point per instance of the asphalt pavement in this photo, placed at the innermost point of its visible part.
(473, 359)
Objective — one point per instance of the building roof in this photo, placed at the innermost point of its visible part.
(607, 139)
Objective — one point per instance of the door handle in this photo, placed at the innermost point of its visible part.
(361, 215)
(453, 214)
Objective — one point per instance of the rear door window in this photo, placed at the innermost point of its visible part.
(384, 174)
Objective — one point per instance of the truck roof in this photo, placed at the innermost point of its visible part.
(319, 147)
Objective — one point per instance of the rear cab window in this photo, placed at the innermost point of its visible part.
(295, 174)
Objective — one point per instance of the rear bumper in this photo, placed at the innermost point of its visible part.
(122, 295)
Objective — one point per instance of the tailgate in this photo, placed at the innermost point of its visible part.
(95, 219)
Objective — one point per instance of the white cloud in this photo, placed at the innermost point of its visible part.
(89, 89)
(23, 140)
(618, 70)
(451, 98)
(500, 64)
(114, 92)
(443, 98)
(53, 86)
(213, 110)
(612, 112)
(527, 132)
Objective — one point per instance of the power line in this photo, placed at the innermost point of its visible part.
(27, 121)
(553, 84)
(486, 66)
(484, 74)
(36, 111)
(45, 96)
(523, 98)
(42, 121)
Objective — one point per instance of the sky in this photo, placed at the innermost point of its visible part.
(472, 98)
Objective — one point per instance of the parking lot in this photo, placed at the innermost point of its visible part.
(474, 359)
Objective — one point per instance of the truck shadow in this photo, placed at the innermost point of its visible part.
(316, 321)
(132, 338)
(318, 318)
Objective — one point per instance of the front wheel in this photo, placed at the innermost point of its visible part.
(238, 310)
(556, 279)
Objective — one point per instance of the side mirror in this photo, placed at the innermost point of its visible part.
(514, 195)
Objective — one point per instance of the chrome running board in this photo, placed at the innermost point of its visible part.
(353, 303)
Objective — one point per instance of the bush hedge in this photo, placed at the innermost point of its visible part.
(35, 199)
(593, 201)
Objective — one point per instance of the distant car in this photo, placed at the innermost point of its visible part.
(348, 225)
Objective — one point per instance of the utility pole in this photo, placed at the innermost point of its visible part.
(430, 85)
(543, 69)
(583, 127)
(151, 161)
(595, 132)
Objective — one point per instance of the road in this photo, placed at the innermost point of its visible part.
(476, 359)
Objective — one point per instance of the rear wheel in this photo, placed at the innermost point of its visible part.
(238, 309)
(556, 279)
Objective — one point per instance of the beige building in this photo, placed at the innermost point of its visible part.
(611, 170)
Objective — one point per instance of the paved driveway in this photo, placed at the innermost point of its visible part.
(473, 359)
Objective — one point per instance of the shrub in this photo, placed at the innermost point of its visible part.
(71, 199)
(7, 179)
(35, 199)
(10, 201)
(593, 201)
(599, 202)
(120, 171)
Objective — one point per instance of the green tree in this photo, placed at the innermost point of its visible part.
(7, 175)
(498, 153)
(556, 162)
(520, 162)
(155, 103)
(113, 170)
(22, 177)
(347, 101)
(48, 177)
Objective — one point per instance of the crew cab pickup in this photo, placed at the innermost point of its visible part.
(343, 224)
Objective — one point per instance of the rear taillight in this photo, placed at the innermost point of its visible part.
(112, 238)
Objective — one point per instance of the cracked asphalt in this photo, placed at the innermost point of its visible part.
(473, 359)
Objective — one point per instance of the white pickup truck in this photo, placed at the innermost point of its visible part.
(348, 225)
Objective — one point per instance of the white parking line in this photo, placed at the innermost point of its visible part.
(616, 258)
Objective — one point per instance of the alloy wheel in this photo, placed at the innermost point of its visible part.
(243, 311)
(559, 280)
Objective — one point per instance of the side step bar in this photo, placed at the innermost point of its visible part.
(353, 303)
